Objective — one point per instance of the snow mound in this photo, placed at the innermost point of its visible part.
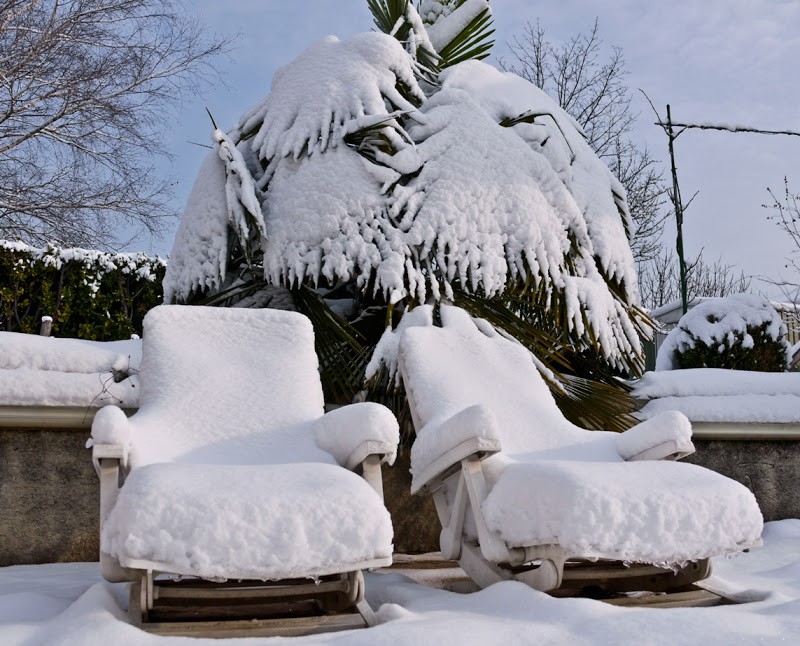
(650, 512)
(217, 522)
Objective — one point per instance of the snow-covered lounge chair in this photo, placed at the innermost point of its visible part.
(233, 481)
(524, 494)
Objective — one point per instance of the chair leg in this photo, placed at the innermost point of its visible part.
(478, 568)
(546, 577)
(138, 603)
(361, 604)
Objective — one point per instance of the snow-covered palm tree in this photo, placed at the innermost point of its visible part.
(395, 168)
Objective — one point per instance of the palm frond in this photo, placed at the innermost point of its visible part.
(470, 43)
(387, 13)
(342, 357)
(399, 18)
(595, 405)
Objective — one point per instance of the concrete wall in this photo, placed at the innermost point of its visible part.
(769, 468)
(49, 497)
(49, 492)
(50, 500)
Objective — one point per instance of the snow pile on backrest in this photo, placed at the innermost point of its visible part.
(227, 386)
(459, 365)
(720, 321)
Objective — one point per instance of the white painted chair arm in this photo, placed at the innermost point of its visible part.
(352, 433)
(442, 445)
(666, 436)
(111, 436)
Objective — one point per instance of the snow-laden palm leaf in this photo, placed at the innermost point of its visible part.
(400, 19)
(437, 33)
(460, 30)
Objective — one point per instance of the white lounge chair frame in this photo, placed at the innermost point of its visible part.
(212, 609)
(146, 591)
(458, 485)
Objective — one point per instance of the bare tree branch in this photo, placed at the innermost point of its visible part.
(86, 89)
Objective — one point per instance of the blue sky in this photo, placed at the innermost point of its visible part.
(719, 60)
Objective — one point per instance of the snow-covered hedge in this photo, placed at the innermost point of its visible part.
(89, 294)
(741, 332)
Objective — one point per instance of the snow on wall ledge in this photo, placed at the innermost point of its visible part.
(715, 395)
(48, 371)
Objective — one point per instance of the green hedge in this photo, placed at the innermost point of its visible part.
(90, 294)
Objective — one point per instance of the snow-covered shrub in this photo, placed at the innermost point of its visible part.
(89, 294)
(741, 332)
(396, 168)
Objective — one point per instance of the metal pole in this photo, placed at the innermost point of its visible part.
(676, 201)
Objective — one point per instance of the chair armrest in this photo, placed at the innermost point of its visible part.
(442, 445)
(352, 433)
(111, 436)
(666, 436)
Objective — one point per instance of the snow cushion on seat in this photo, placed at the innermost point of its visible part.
(248, 522)
(650, 512)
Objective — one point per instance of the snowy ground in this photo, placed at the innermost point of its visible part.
(69, 604)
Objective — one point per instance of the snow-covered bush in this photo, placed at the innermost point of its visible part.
(395, 168)
(740, 332)
(89, 294)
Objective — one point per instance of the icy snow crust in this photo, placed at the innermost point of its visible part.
(553, 480)
(721, 321)
(459, 199)
(50, 371)
(227, 478)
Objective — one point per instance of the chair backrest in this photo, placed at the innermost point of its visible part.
(466, 362)
(227, 385)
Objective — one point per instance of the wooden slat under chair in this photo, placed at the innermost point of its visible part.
(194, 607)
(635, 585)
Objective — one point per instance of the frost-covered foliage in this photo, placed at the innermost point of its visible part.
(395, 168)
(740, 332)
(89, 294)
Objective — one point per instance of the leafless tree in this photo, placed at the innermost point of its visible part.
(86, 88)
(659, 282)
(593, 90)
(786, 214)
